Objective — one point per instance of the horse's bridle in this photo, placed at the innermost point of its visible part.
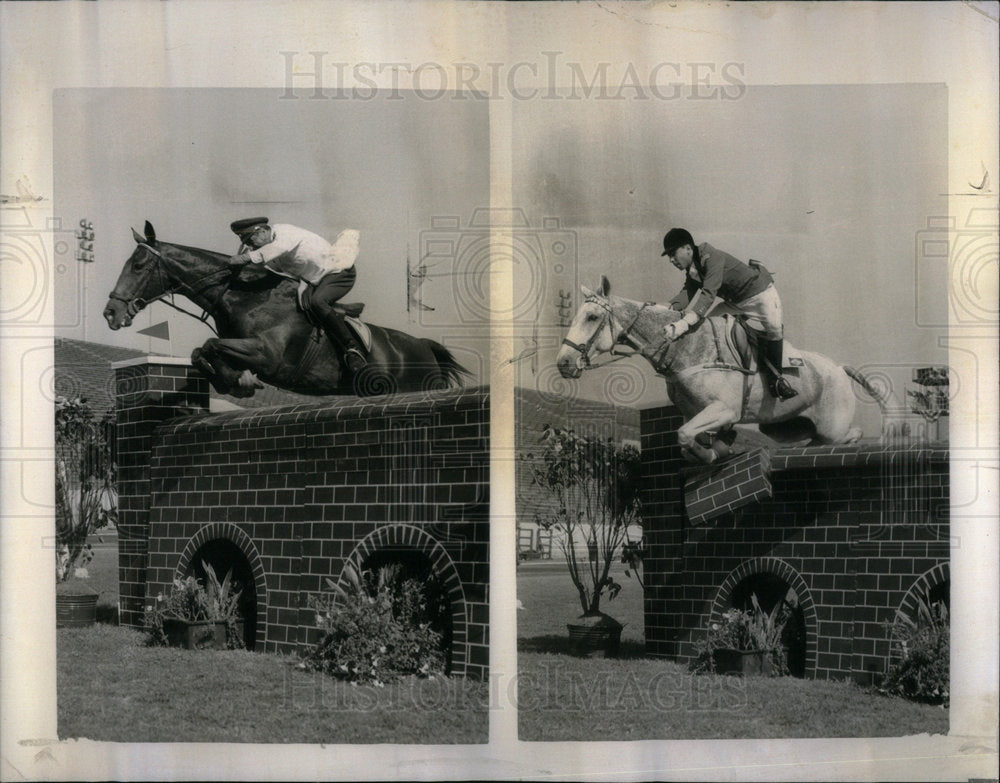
(134, 305)
(609, 319)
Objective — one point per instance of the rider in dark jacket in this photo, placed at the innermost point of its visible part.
(750, 289)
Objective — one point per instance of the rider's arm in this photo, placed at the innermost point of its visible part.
(685, 295)
(713, 274)
(689, 300)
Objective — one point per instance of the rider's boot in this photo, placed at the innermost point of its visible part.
(780, 387)
(354, 357)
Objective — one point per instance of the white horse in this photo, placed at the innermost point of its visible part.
(705, 379)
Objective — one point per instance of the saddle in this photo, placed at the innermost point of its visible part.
(351, 312)
(744, 344)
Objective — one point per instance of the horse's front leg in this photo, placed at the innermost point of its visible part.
(230, 364)
(714, 416)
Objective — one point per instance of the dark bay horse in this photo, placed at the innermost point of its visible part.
(262, 332)
(714, 395)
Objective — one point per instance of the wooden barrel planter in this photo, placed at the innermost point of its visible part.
(76, 605)
(746, 663)
(200, 635)
(598, 636)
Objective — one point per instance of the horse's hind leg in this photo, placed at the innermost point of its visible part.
(833, 412)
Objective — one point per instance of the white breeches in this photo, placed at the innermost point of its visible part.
(764, 312)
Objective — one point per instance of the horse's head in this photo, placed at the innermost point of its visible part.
(589, 334)
(141, 280)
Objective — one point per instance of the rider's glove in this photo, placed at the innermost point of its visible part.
(239, 260)
(676, 329)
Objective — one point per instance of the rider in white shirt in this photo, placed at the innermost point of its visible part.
(328, 269)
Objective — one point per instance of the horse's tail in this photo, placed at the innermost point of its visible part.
(893, 426)
(452, 372)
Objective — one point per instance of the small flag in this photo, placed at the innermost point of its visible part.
(160, 331)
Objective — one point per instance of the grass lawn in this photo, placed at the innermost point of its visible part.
(550, 601)
(103, 577)
(113, 688)
(563, 697)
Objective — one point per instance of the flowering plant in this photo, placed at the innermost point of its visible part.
(377, 628)
(919, 668)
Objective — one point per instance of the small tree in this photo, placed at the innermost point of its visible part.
(594, 484)
(86, 498)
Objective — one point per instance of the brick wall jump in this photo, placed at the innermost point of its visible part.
(856, 530)
(303, 490)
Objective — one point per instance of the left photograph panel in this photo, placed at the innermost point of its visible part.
(271, 403)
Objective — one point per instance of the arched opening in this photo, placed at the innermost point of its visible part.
(416, 565)
(771, 590)
(940, 594)
(225, 557)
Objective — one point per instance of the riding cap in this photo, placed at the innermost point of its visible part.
(675, 238)
(246, 225)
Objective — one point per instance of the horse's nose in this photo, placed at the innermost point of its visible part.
(111, 316)
(567, 366)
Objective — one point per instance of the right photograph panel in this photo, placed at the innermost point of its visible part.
(732, 412)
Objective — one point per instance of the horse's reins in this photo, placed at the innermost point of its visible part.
(133, 306)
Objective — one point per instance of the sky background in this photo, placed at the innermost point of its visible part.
(829, 186)
(193, 160)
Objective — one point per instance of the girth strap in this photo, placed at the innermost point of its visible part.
(308, 358)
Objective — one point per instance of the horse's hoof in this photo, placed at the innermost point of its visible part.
(249, 381)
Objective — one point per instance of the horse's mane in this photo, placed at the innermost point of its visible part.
(652, 308)
(199, 251)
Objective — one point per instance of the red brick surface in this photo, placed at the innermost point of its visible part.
(303, 490)
(858, 531)
(713, 491)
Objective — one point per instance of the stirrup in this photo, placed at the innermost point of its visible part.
(355, 360)
(782, 389)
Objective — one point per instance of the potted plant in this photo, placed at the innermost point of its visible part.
(746, 641)
(593, 485)
(86, 500)
(194, 616)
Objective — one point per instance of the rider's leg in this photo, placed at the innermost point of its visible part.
(765, 308)
(329, 290)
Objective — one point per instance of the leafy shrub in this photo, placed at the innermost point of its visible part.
(86, 472)
(378, 629)
(746, 630)
(919, 668)
(189, 600)
(593, 486)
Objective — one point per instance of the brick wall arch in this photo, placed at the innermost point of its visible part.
(775, 567)
(243, 542)
(922, 585)
(410, 537)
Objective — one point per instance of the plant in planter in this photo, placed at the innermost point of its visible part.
(85, 470)
(594, 489)
(194, 616)
(745, 641)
